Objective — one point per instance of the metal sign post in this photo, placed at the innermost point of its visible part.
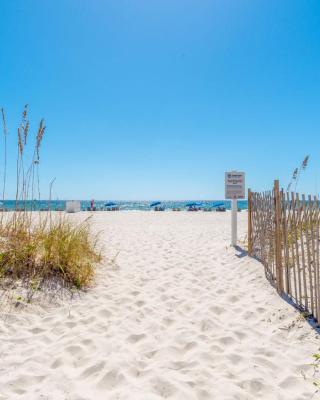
(234, 190)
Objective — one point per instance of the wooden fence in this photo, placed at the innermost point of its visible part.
(284, 234)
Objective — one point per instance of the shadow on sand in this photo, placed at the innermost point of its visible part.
(288, 299)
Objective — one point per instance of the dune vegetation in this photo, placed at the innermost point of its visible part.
(40, 250)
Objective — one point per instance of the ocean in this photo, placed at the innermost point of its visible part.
(123, 205)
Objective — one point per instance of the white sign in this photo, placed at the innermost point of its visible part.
(234, 185)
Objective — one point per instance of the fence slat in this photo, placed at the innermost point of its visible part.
(284, 234)
(279, 273)
(249, 223)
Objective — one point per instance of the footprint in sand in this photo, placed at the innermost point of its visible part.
(57, 363)
(111, 379)
(135, 338)
(105, 313)
(168, 321)
(217, 310)
(233, 299)
(74, 350)
(235, 358)
(93, 369)
(191, 345)
(253, 386)
(36, 330)
(227, 341)
(163, 388)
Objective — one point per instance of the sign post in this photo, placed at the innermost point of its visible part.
(234, 228)
(234, 190)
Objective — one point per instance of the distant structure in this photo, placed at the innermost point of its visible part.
(73, 206)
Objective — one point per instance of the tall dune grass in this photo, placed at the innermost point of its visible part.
(297, 172)
(40, 250)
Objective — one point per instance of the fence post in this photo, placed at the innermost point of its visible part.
(278, 247)
(249, 223)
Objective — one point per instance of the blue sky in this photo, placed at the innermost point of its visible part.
(155, 99)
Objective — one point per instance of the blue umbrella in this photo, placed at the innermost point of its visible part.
(218, 204)
(110, 204)
(193, 204)
(156, 203)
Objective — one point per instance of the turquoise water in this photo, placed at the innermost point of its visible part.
(123, 205)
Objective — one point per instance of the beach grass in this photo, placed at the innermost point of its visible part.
(37, 248)
(34, 251)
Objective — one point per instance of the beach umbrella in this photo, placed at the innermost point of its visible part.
(193, 204)
(218, 204)
(156, 203)
(110, 204)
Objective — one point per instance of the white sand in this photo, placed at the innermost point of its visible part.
(180, 316)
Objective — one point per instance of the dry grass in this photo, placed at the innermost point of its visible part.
(43, 249)
(38, 249)
(297, 172)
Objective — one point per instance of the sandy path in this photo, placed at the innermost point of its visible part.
(180, 316)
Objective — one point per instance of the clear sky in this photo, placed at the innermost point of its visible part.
(155, 99)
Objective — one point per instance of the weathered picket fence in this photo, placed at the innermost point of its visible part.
(284, 234)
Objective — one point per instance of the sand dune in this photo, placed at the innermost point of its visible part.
(179, 315)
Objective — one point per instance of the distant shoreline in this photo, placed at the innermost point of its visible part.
(100, 205)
